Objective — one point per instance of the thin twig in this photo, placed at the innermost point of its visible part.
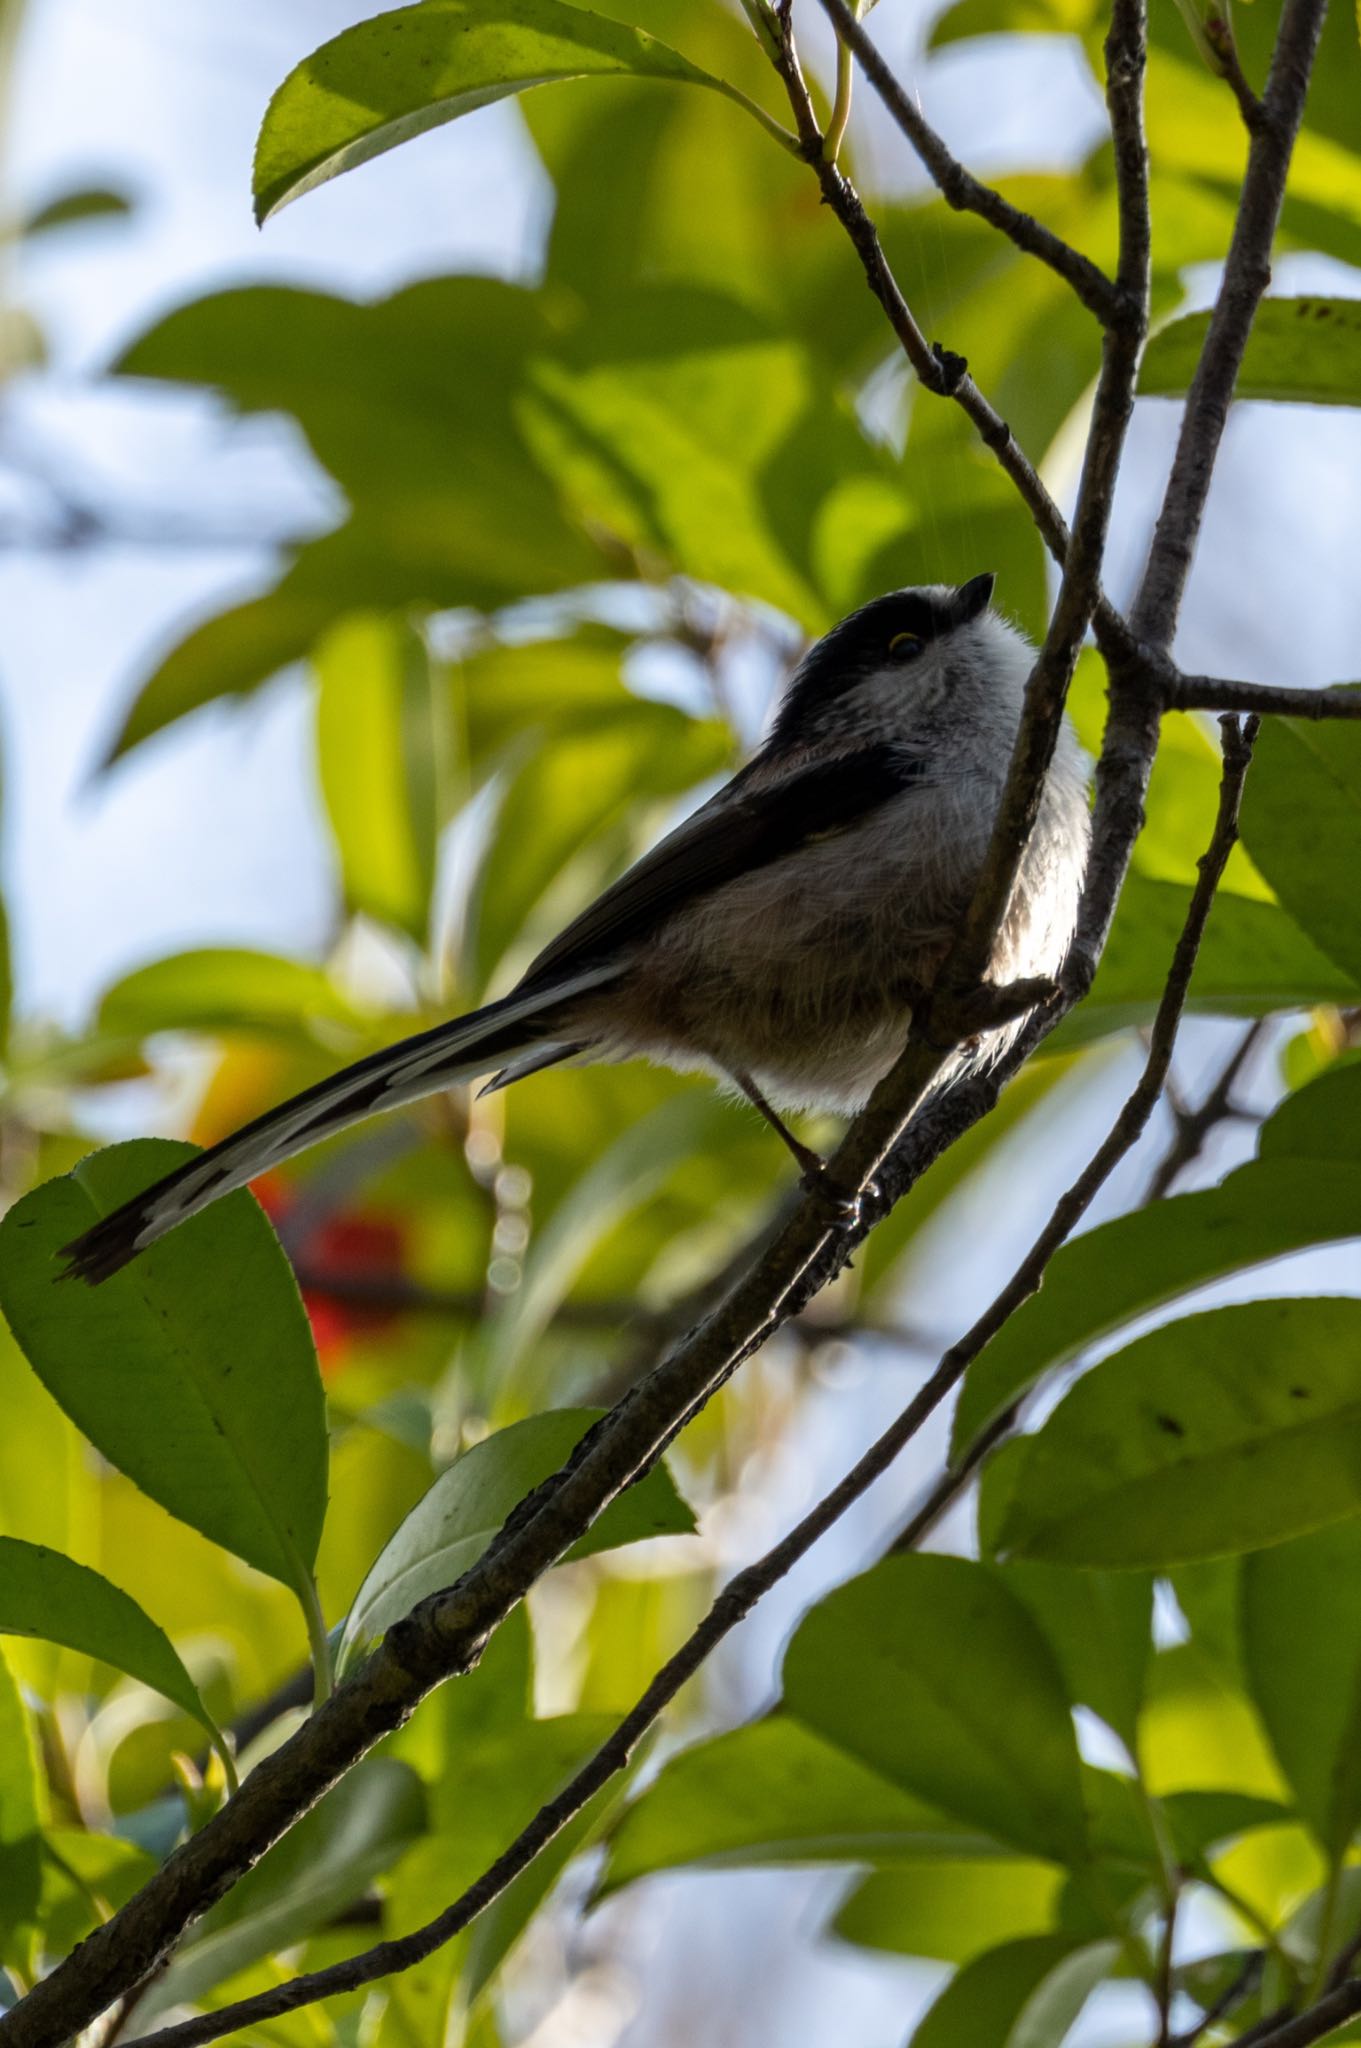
(1247, 273)
(1216, 693)
(1331, 2011)
(1193, 1126)
(749, 1585)
(964, 192)
(1243, 1986)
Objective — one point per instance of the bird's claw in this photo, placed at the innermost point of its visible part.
(843, 1207)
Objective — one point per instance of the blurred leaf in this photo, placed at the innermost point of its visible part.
(566, 795)
(205, 1332)
(415, 68)
(325, 1863)
(1142, 1261)
(1302, 826)
(447, 507)
(497, 1784)
(1305, 351)
(85, 1877)
(933, 1674)
(951, 1911)
(20, 1808)
(224, 988)
(1254, 959)
(1302, 1650)
(774, 1792)
(381, 755)
(81, 203)
(1227, 1430)
(45, 1594)
(451, 1527)
(704, 438)
(1025, 1994)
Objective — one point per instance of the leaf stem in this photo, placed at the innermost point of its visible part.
(841, 106)
(772, 127)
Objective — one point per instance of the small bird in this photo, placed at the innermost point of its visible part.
(779, 937)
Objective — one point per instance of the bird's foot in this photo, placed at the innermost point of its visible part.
(843, 1207)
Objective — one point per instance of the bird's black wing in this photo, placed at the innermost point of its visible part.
(749, 824)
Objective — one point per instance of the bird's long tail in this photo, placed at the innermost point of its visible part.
(435, 1059)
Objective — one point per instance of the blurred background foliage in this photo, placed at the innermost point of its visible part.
(585, 519)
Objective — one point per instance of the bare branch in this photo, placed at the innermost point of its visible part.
(1193, 1126)
(751, 1584)
(966, 193)
(1214, 693)
(1325, 2017)
(1247, 274)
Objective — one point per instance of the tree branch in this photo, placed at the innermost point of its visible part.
(1193, 1126)
(1247, 274)
(755, 1580)
(1331, 2012)
(1214, 693)
(966, 193)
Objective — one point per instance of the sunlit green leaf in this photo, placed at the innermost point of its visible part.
(929, 1671)
(45, 1594)
(1302, 826)
(382, 754)
(777, 1793)
(415, 68)
(1302, 1650)
(1227, 1430)
(451, 1527)
(1153, 1256)
(951, 1911)
(1306, 351)
(1254, 959)
(224, 988)
(21, 1807)
(205, 1331)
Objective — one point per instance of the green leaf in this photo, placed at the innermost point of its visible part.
(1319, 1121)
(566, 796)
(775, 1792)
(81, 203)
(928, 1670)
(224, 988)
(193, 1370)
(52, 1597)
(951, 1911)
(1305, 351)
(1098, 1624)
(1255, 959)
(1302, 1651)
(451, 1527)
(1151, 1257)
(381, 752)
(1225, 1431)
(1025, 1994)
(20, 1807)
(410, 70)
(324, 1864)
(1306, 770)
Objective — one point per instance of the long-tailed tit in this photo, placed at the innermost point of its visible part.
(779, 937)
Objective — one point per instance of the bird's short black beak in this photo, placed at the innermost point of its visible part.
(973, 597)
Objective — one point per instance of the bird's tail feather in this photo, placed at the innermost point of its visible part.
(435, 1059)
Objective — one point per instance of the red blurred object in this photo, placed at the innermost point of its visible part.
(352, 1248)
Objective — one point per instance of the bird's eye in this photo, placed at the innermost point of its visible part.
(905, 643)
